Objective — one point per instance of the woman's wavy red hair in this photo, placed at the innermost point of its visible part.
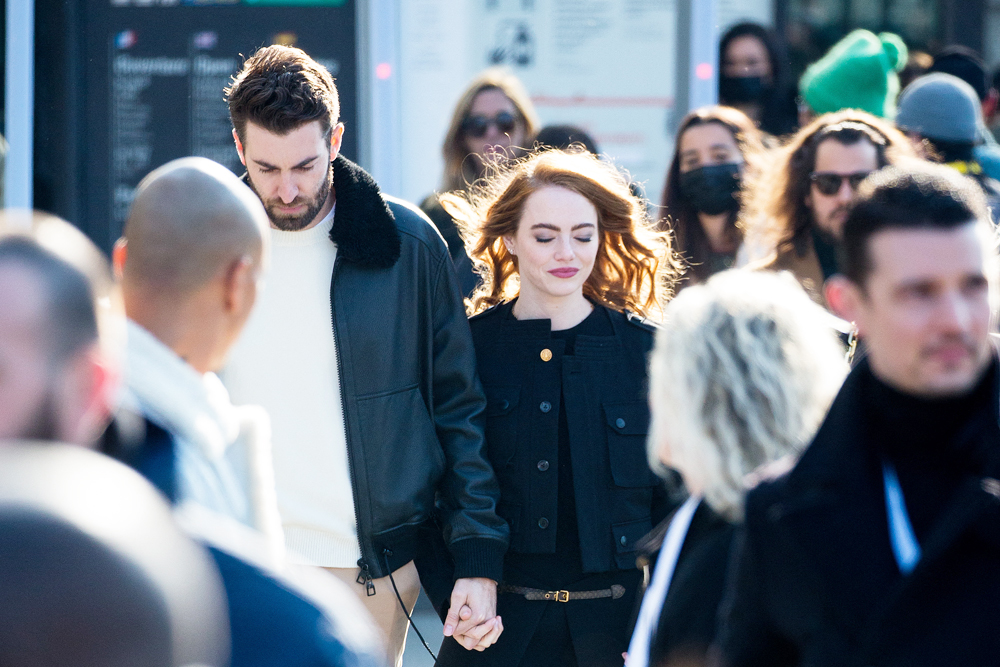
(636, 267)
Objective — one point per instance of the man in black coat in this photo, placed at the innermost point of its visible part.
(882, 545)
(361, 352)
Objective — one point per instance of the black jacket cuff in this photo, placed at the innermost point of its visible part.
(478, 557)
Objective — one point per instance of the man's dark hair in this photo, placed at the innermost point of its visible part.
(70, 309)
(281, 88)
(917, 196)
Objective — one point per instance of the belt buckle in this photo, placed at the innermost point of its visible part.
(562, 596)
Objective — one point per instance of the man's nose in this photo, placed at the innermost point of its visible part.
(846, 193)
(954, 313)
(287, 190)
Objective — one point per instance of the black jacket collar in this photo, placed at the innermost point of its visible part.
(364, 228)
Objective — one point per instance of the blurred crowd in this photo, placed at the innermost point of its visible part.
(754, 423)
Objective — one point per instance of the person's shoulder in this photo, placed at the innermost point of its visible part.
(414, 224)
(487, 317)
(641, 322)
(767, 487)
(635, 329)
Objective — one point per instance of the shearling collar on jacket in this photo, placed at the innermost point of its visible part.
(364, 228)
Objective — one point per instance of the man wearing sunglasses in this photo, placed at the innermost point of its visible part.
(801, 200)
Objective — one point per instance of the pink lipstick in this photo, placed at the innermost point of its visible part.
(568, 272)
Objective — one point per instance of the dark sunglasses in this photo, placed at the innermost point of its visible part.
(829, 184)
(478, 126)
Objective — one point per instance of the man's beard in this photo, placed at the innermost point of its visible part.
(293, 223)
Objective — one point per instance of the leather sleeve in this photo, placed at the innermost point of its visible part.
(477, 538)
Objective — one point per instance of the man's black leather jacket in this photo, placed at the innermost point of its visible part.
(413, 405)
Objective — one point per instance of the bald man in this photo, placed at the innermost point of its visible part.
(192, 255)
(57, 372)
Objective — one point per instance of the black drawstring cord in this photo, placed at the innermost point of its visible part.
(385, 554)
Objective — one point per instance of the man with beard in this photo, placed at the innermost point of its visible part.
(881, 546)
(795, 206)
(57, 379)
(361, 352)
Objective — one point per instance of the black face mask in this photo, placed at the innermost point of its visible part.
(711, 190)
(742, 89)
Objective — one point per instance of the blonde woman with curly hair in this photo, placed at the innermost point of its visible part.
(571, 267)
(744, 369)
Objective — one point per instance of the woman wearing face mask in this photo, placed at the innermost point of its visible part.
(715, 146)
(753, 77)
(494, 120)
(570, 265)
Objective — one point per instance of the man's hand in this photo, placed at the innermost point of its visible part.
(472, 619)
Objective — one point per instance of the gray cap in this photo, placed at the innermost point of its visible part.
(941, 106)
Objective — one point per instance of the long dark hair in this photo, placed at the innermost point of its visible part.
(775, 214)
(779, 113)
(680, 215)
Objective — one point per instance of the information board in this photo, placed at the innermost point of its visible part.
(608, 66)
(155, 74)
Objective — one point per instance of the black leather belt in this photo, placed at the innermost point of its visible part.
(615, 592)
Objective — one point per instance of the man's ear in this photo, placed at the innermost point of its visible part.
(239, 277)
(89, 384)
(239, 147)
(118, 256)
(843, 298)
(336, 140)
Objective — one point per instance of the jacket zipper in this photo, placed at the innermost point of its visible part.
(364, 575)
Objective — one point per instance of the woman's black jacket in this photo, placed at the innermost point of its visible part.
(618, 499)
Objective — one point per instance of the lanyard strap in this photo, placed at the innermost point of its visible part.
(905, 547)
(652, 601)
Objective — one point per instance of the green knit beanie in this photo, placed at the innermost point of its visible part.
(858, 72)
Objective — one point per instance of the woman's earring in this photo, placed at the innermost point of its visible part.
(852, 343)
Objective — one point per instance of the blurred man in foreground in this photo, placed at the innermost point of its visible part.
(193, 253)
(57, 302)
(881, 546)
(94, 572)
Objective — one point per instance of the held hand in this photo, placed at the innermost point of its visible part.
(473, 603)
(482, 636)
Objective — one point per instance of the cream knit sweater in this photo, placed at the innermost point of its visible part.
(286, 361)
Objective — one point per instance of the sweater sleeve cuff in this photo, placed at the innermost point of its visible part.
(478, 557)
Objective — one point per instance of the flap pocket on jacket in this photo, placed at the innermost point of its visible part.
(627, 417)
(628, 422)
(628, 533)
(501, 400)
